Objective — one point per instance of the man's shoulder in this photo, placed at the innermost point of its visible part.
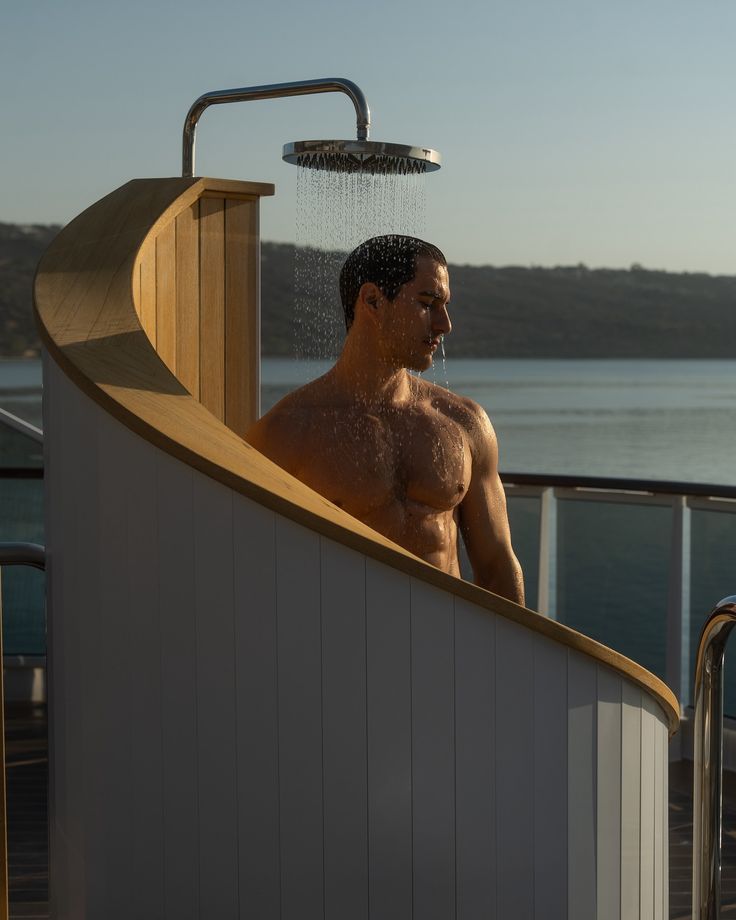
(281, 428)
(463, 410)
(293, 402)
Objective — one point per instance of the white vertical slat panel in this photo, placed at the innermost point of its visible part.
(344, 731)
(388, 662)
(58, 503)
(304, 708)
(178, 688)
(630, 799)
(300, 721)
(475, 746)
(662, 862)
(76, 603)
(145, 690)
(433, 764)
(660, 757)
(550, 780)
(514, 770)
(581, 793)
(117, 648)
(254, 550)
(218, 807)
(608, 796)
(648, 808)
(70, 809)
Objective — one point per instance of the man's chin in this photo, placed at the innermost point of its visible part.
(421, 363)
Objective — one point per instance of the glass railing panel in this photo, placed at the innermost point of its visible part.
(18, 449)
(712, 577)
(21, 390)
(524, 513)
(21, 519)
(612, 575)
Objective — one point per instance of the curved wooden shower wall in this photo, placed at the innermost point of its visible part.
(261, 707)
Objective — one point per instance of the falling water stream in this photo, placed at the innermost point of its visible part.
(335, 211)
(445, 381)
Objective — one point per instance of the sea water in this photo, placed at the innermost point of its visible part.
(673, 420)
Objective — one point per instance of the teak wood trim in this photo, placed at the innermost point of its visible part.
(85, 305)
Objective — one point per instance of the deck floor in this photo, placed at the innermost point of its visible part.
(26, 777)
(27, 765)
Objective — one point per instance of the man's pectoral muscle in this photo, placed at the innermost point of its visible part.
(413, 476)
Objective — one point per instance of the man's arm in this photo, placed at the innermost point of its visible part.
(484, 522)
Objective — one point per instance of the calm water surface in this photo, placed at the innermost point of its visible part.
(640, 419)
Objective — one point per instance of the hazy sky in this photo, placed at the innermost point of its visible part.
(571, 131)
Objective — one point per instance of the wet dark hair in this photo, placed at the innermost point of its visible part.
(389, 262)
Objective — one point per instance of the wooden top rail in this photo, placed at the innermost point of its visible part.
(85, 299)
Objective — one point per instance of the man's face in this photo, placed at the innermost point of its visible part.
(417, 318)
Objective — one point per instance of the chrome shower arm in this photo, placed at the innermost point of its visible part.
(271, 91)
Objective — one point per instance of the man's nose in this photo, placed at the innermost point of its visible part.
(441, 324)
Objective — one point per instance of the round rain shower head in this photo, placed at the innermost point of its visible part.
(374, 157)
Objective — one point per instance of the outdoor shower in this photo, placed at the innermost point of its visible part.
(346, 191)
(360, 155)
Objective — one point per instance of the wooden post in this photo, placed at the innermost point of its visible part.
(197, 294)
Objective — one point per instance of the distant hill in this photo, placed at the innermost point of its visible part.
(512, 312)
(21, 246)
(564, 312)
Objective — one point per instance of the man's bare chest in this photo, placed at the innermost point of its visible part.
(365, 461)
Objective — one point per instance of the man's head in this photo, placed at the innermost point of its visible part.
(389, 262)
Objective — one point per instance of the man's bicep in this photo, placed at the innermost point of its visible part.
(484, 519)
(484, 523)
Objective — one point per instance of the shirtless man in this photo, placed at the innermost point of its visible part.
(408, 458)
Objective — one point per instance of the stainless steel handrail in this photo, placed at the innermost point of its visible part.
(708, 761)
(21, 425)
(34, 555)
(609, 483)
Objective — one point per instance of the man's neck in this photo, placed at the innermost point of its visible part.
(365, 379)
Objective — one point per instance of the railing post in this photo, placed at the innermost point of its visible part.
(677, 651)
(708, 761)
(547, 599)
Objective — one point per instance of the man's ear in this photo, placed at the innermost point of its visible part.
(369, 297)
